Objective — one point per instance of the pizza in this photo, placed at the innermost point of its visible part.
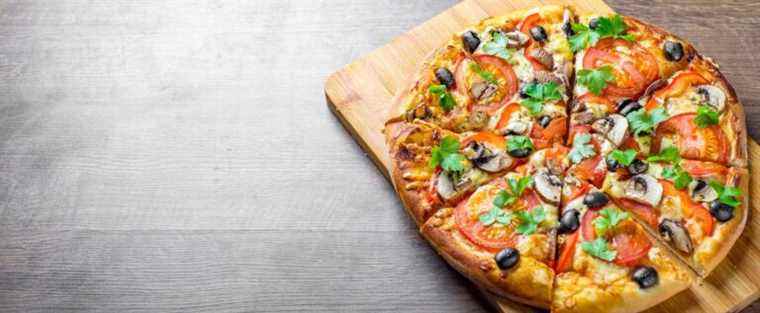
(577, 163)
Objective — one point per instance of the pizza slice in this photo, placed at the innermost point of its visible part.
(502, 237)
(696, 111)
(607, 262)
(699, 208)
(508, 74)
(619, 59)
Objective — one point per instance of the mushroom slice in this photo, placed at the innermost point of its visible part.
(713, 96)
(542, 56)
(519, 124)
(643, 188)
(701, 191)
(487, 159)
(445, 186)
(676, 234)
(613, 128)
(482, 90)
(516, 39)
(548, 186)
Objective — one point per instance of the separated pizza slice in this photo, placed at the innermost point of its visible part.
(696, 111)
(619, 59)
(508, 74)
(607, 262)
(698, 208)
(502, 237)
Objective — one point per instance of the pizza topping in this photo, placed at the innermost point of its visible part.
(595, 199)
(627, 106)
(598, 28)
(567, 23)
(701, 191)
(445, 186)
(721, 211)
(516, 39)
(446, 154)
(582, 149)
(519, 146)
(445, 77)
(538, 94)
(638, 167)
(471, 41)
(643, 188)
(548, 186)
(608, 219)
(544, 120)
(643, 123)
(539, 33)
(507, 258)
(445, 100)
(728, 199)
(529, 220)
(617, 159)
(654, 86)
(569, 221)
(613, 127)
(645, 276)
(487, 158)
(673, 50)
(712, 96)
(596, 79)
(542, 56)
(706, 117)
(676, 234)
(599, 248)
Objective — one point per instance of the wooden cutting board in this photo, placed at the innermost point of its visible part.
(360, 93)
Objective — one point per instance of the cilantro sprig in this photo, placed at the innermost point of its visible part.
(445, 100)
(503, 199)
(599, 248)
(669, 154)
(624, 158)
(446, 154)
(485, 75)
(495, 215)
(581, 148)
(607, 220)
(642, 122)
(538, 94)
(727, 195)
(529, 220)
(676, 173)
(519, 142)
(706, 116)
(606, 27)
(497, 45)
(596, 79)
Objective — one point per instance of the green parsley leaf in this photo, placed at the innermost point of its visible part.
(607, 220)
(613, 27)
(497, 45)
(642, 122)
(680, 178)
(503, 198)
(516, 188)
(529, 220)
(727, 195)
(519, 142)
(445, 100)
(581, 148)
(538, 94)
(596, 79)
(583, 37)
(669, 154)
(599, 249)
(485, 75)
(446, 154)
(625, 158)
(706, 116)
(495, 215)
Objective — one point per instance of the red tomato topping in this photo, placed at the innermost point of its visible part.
(706, 144)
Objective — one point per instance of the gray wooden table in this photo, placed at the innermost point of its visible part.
(178, 156)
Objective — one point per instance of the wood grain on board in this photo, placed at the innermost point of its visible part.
(359, 95)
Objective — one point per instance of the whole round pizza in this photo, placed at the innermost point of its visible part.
(580, 163)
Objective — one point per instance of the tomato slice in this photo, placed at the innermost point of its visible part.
(575, 192)
(577, 129)
(486, 136)
(553, 133)
(491, 237)
(677, 87)
(634, 70)
(506, 114)
(691, 209)
(701, 169)
(503, 73)
(628, 239)
(568, 251)
(592, 98)
(706, 144)
(645, 212)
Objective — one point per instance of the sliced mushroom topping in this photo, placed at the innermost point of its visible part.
(497, 163)
(516, 39)
(489, 160)
(542, 56)
(582, 118)
(701, 191)
(544, 77)
(445, 186)
(613, 127)
(478, 119)
(676, 234)
(713, 96)
(482, 90)
(643, 188)
(518, 124)
(548, 186)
